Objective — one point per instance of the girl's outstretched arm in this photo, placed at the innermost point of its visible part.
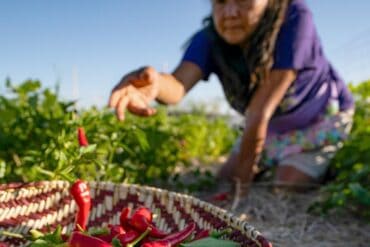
(139, 88)
(175, 86)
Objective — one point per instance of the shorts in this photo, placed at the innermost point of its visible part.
(309, 150)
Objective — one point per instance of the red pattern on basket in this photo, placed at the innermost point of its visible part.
(99, 197)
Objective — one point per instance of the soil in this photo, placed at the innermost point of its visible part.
(282, 218)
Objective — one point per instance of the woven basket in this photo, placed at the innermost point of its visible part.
(44, 205)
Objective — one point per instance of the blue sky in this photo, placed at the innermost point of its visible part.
(87, 45)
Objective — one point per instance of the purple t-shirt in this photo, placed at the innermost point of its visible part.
(297, 47)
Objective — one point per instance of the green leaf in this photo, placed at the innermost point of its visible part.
(45, 172)
(66, 177)
(28, 86)
(54, 237)
(211, 242)
(142, 138)
(43, 243)
(67, 170)
(2, 168)
(360, 193)
(35, 234)
(116, 243)
(88, 149)
(40, 243)
(57, 235)
(93, 231)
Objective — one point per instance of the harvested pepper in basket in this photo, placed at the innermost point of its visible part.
(137, 230)
(172, 239)
(124, 217)
(128, 237)
(121, 242)
(142, 220)
(81, 194)
(78, 239)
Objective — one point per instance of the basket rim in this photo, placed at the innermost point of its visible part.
(231, 219)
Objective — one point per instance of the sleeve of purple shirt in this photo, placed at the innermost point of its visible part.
(293, 49)
(199, 53)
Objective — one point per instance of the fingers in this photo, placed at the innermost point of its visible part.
(114, 98)
(139, 78)
(139, 106)
(134, 92)
(134, 102)
(143, 112)
(121, 108)
(117, 92)
(120, 88)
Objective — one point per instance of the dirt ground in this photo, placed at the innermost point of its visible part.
(283, 219)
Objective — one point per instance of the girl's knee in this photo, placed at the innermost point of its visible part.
(289, 177)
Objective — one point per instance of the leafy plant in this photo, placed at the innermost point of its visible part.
(38, 140)
(34, 142)
(351, 187)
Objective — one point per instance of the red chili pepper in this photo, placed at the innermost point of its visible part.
(116, 229)
(133, 238)
(64, 237)
(173, 239)
(144, 212)
(141, 220)
(81, 194)
(124, 217)
(128, 237)
(79, 239)
(82, 139)
(224, 196)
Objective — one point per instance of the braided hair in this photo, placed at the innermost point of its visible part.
(243, 69)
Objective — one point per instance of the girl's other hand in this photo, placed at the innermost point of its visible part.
(135, 92)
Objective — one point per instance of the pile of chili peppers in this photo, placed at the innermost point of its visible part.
(136, 227)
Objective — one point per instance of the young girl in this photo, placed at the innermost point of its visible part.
(269, 60)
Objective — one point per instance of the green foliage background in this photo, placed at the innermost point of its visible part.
(350, 188)
(38, 141)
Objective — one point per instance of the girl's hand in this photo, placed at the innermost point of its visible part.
(134, 92)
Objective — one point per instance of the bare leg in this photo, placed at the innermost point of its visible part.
(289, 175)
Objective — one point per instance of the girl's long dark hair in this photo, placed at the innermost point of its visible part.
(244, 68)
